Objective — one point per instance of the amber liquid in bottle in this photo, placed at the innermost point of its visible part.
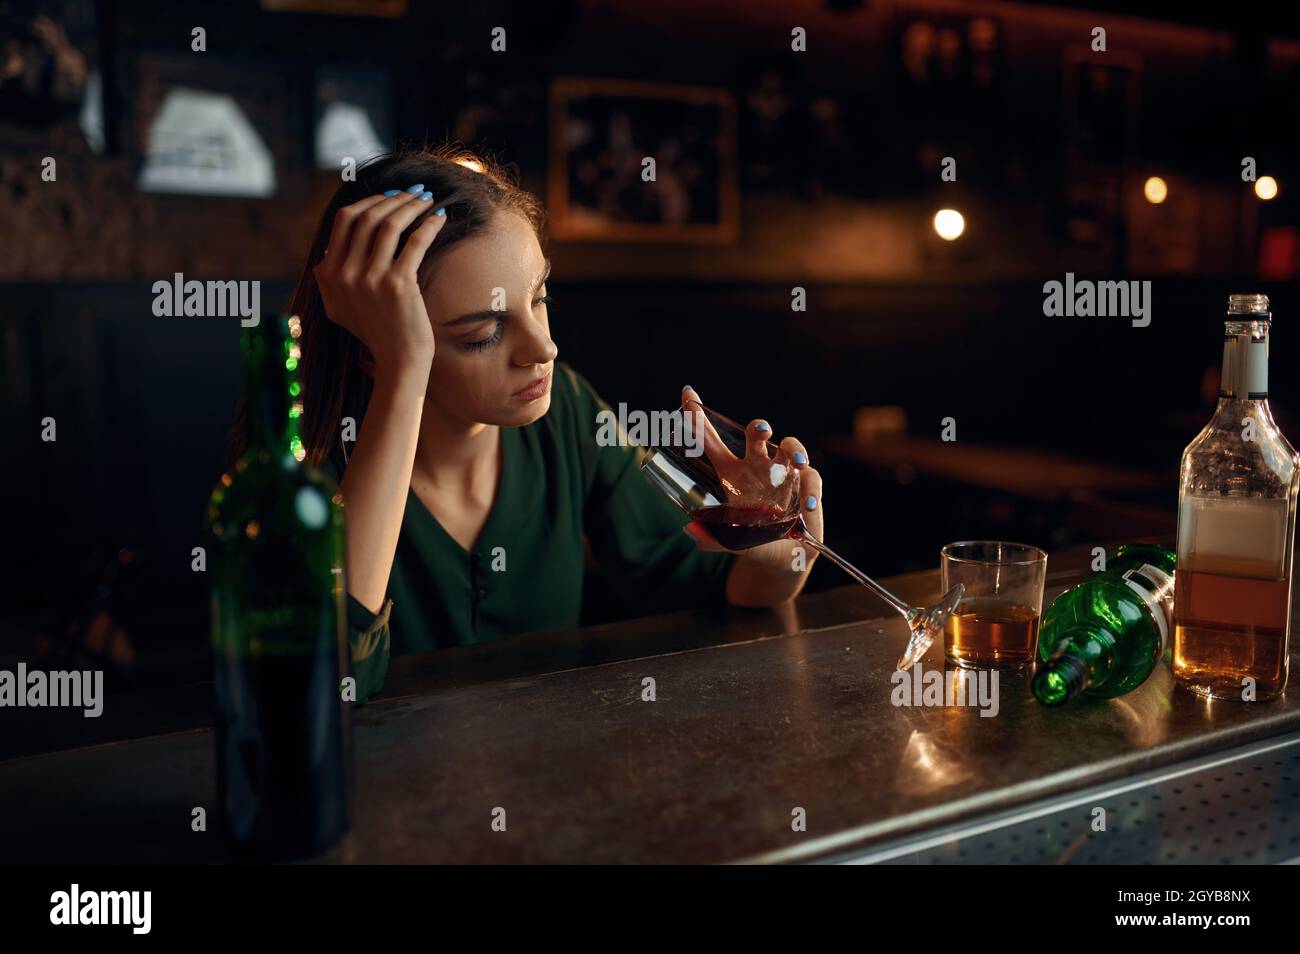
(1236, 526)
(1231, 623)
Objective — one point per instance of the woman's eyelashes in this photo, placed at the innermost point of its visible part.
(484, 343)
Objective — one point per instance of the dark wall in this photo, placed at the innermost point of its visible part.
(840, 206)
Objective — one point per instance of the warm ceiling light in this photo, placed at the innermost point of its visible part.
(1156, 190)
(949, 224)
(1266, 188)
(472, 164)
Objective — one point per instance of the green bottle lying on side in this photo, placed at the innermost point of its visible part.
(1104, 636)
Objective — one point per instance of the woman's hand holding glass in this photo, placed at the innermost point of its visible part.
(764, 501)
(751, 475)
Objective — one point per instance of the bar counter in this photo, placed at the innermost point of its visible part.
(759, 718)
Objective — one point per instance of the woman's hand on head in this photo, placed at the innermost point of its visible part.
(370, 290)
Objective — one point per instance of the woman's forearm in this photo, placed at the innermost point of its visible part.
(377, 481)
(754, 582)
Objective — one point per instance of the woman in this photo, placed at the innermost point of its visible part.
(476, 474)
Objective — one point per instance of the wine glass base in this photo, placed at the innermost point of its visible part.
(927, 626)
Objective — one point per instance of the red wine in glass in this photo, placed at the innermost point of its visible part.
(746, 496)
(740, 527)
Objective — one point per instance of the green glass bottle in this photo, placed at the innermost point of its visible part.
(1102, 637)
(279, 636)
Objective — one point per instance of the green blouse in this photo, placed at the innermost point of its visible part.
(526, 570)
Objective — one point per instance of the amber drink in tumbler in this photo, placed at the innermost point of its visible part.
(995, 626)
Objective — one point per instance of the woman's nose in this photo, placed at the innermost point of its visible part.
(538, 348)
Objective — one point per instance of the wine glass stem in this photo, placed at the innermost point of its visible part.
(857, 574)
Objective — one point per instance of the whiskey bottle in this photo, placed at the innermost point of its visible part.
(1236, 529)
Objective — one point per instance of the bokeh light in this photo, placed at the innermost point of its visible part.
(949, 223)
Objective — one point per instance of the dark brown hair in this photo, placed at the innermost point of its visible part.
(473, 189)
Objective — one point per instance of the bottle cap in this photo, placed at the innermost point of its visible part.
(1254, 305)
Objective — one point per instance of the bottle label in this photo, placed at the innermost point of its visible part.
(1245, 367)
(1156, 588)
(1233, 536)
(1256, 372)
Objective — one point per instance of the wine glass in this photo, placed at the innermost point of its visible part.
(746, 499)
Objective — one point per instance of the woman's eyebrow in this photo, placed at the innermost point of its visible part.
(546, 273)
(476, 316)
(472, 317)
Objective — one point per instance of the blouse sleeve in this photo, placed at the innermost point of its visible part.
(369, 644)
(635, 531)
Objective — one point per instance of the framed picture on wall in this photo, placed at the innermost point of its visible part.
(642, 162)
(50, 81)
(1100, 110)
(352, 114)
(1101, 105)
(212, 127)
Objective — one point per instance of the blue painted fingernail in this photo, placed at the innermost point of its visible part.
(391, 192)
(762, 426)
(426, 196)
(800, 458)
(416, 189)
(687, 387)
(811, 503)
(442, 212)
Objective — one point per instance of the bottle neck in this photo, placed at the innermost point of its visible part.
(1062, 678)
(1245, 361)
(272, 389)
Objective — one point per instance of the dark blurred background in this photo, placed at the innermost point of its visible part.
(778, 169)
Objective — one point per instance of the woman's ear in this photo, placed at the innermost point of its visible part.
(367, 362)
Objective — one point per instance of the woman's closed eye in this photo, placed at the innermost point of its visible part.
(482, 344)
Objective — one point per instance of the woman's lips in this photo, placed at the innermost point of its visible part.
(536, 389)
